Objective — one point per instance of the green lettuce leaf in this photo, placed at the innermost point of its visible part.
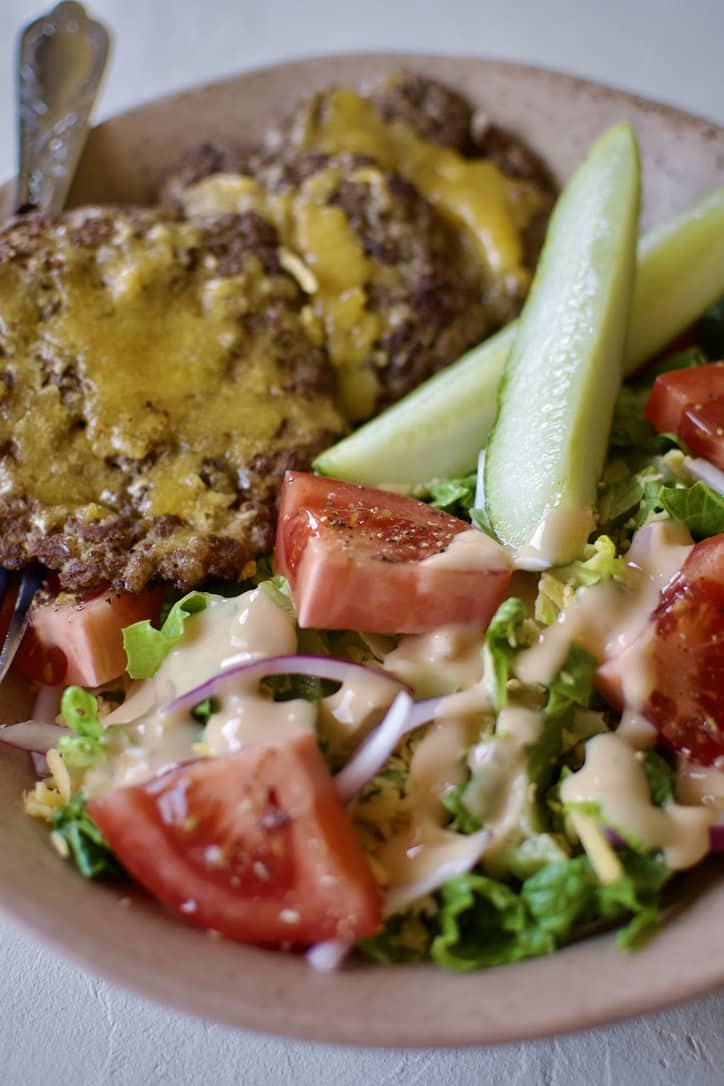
(277, 589)
(455, 496)
(87, 847)
(566, 896)
(660, 776)
(79, 710)
(557, 587)
(147, 648)
(503, 640)
(570, 689)
(463, 820)
(480, 921)
(700, 507)
(405, 938)
(205, 710)
(483, 923)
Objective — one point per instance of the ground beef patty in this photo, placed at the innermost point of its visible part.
(156, 379)
(418, 291)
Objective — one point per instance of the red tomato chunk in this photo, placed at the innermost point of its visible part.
(702, 429)
(71, 640)
(254, 845)
(684, 644)
(690, 403)
(355, 560)
(687, 705)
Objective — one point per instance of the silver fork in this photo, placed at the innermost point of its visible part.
(60, 64)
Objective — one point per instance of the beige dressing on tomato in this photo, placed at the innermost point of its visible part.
(471, 550)
(228, 633)
(613, 778)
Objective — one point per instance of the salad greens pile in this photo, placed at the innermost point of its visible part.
(546, 892)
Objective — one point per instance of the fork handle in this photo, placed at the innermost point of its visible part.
(61, 59)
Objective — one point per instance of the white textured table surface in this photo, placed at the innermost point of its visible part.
(59, 1025)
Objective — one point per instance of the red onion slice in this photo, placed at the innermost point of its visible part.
(372, 754)
(40, 765)
(47, 703)
(33, 735)
(253, 671)
(706, 472)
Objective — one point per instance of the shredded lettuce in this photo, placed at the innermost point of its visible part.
(481, 921)
(569, 690)
(700, 508)
(484, 922)
(147, 648)
(660, 777)
(561, 897)
(557, 587)
(278, 591)
(79, 710)
(453, 495)
(87, 847)
(405, 938)
(463, 820)
(505, 637)
(205, 710)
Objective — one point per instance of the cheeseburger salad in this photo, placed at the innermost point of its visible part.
(472, 709)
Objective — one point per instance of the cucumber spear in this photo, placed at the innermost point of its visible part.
(437, 430)
(562, 376)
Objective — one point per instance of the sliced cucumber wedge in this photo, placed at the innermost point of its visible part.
(680, 273)
(437, 431)
(549, 440)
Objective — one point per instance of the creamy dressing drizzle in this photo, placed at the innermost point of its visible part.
(441, 662)
(500, 791)
(607, 618)
(559, 538)
(613, 778)
(425, 854)
(470, 550)
(701, 785)
(346, 716)
(227, 633)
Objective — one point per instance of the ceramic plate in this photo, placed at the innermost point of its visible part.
(134, 942)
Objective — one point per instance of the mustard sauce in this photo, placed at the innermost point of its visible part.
(170, 375)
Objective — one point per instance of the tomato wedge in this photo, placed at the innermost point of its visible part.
(702, 429)
(684, 645)
(254, 845)
(357, 558)
(674, 392)
(71, 640)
